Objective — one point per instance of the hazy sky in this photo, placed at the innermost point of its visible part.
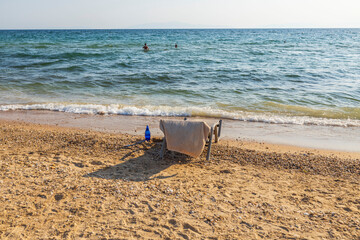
(35, 14)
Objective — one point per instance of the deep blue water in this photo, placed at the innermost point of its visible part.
(300, 76)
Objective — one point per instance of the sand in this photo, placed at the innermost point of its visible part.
(344, 139)
(68, 183)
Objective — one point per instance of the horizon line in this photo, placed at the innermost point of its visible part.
(205, 28)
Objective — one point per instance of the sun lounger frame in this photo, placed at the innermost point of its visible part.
(214, 130)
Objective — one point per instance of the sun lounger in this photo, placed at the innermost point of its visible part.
(188, 137)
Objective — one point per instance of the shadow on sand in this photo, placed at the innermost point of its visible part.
(143, 168)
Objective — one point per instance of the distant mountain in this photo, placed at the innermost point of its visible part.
(170, 25)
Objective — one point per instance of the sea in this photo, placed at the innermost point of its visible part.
(275, 76)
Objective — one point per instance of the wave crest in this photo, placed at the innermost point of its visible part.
(118, 109)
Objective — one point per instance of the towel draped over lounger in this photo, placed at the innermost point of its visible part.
(186, 137)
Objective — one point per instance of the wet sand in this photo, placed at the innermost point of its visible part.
(316, 137)
(70, 183)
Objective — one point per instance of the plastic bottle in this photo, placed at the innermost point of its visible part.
(147, 133)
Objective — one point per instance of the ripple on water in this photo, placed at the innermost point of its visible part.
(309, 72)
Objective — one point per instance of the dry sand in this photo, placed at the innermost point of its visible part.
(63, 183)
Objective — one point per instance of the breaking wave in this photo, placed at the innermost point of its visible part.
(118, 109)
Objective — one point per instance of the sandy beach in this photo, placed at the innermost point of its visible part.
(70, 183)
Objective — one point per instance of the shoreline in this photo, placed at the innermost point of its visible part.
(269, 137)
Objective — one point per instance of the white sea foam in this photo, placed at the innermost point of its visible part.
(116, 109)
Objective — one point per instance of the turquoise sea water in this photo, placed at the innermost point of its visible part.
(296, 76)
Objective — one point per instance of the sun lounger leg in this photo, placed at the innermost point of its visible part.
(220, 125)
(163, 148)
(210, 140)
(216, 133)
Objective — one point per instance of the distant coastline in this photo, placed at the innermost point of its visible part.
(180, 28)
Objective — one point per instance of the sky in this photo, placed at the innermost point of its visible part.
(118, 14)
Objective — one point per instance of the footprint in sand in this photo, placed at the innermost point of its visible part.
(59, 196)
(80, 165)
(188, 226)
(173, 222)
(151, 209)
(183, 236)
(96, 163)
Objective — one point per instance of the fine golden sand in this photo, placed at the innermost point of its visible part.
(63, 183)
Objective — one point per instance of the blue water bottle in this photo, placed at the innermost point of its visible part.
(147, 133)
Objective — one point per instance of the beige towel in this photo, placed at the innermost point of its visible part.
(185, 136)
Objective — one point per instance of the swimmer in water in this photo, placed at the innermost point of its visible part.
(175, 45)
(145, 47)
